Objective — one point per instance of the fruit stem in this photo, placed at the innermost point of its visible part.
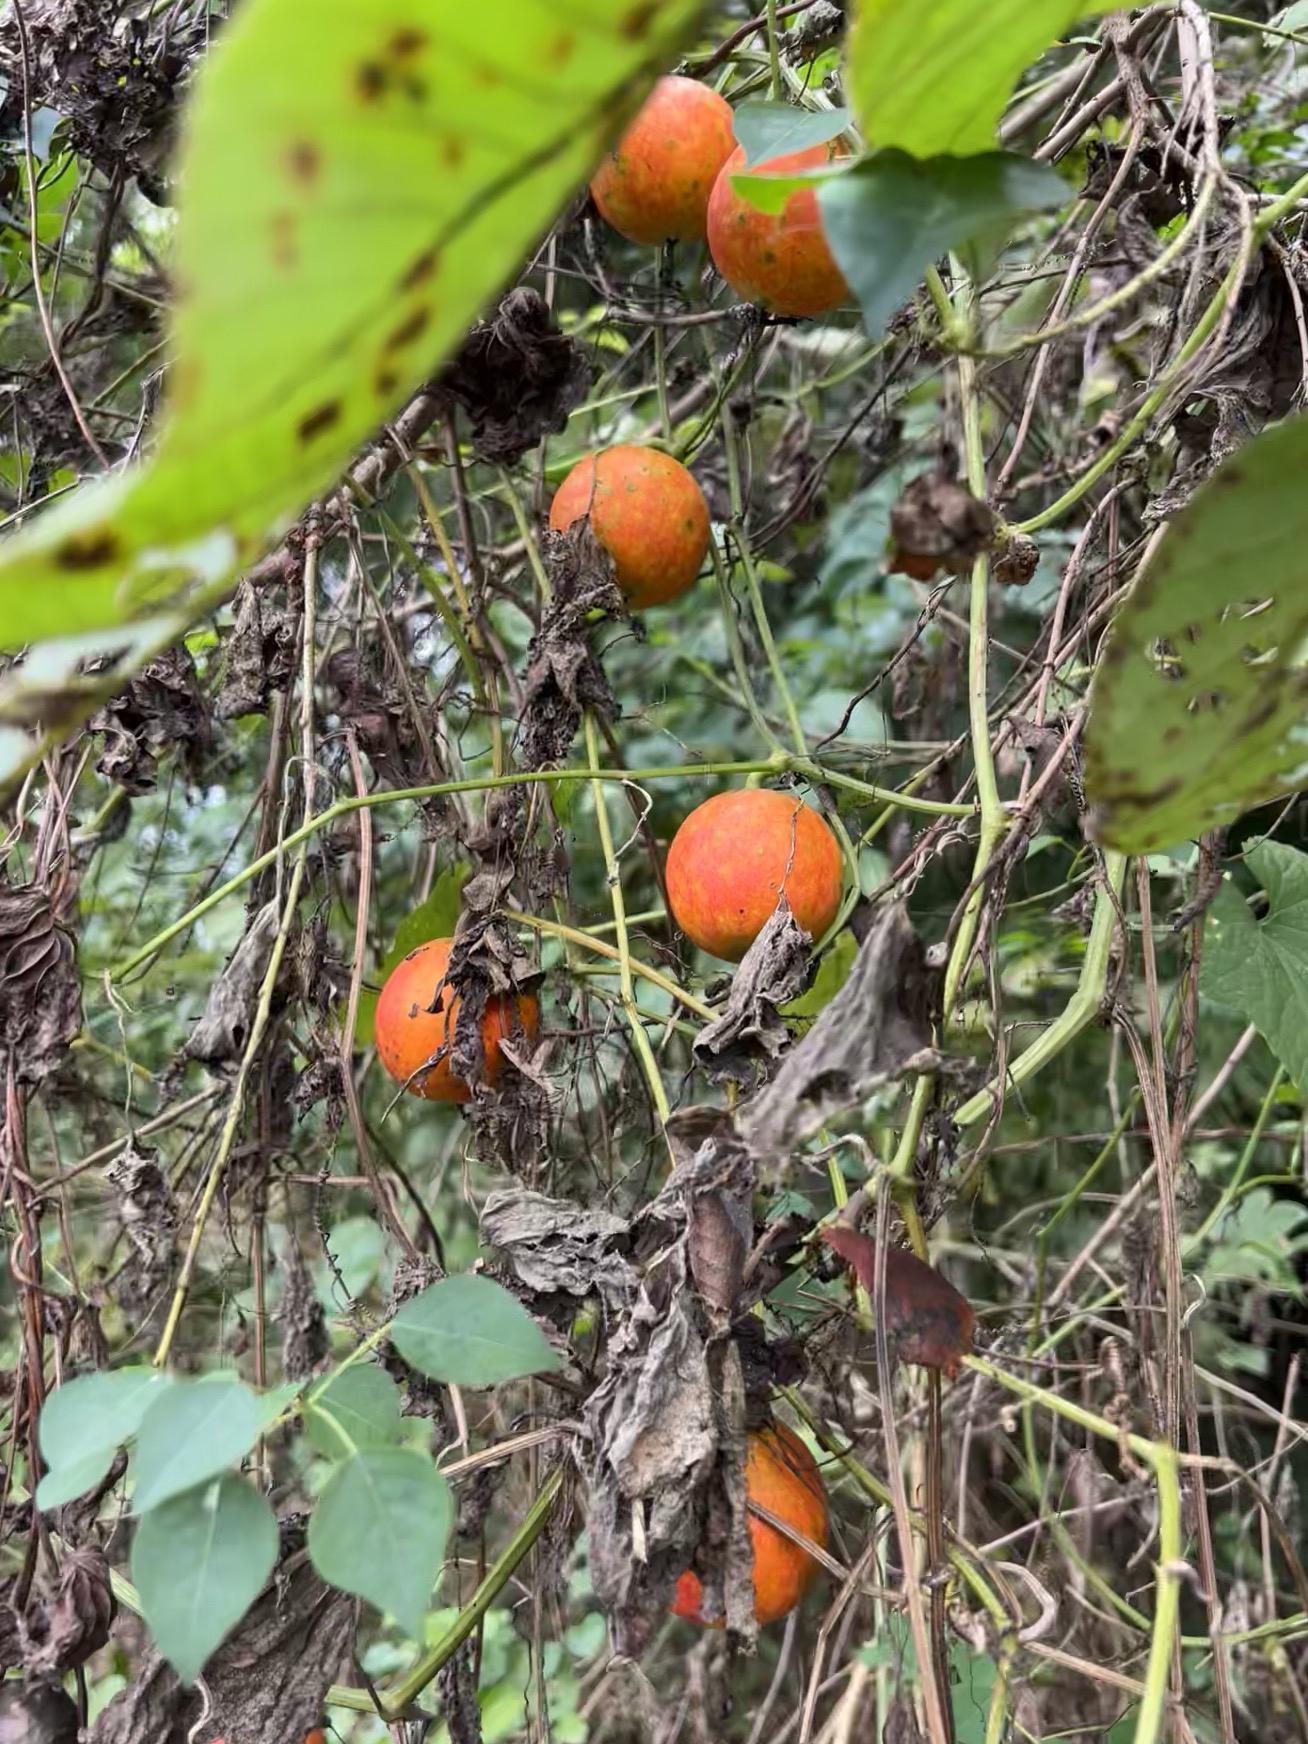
(613, 871)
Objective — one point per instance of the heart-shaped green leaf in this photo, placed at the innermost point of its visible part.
(379, 1530)
(199, 1562)
(471, 1331)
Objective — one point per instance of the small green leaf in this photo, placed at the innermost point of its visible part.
(191, 1433)
(892, 215)
(768, 130)
(357, 1247)
(472, 1332)
(199, 1562)
(936, 78)
(1197, 705)
(360, 1407)
(833, 972)
(1260, 968)
(379, 1530)
(1257, 1241)
(85, 1422)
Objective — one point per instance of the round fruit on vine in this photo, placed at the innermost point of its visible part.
(781, 1475)
(733, 855)
(654, 185)
(646, 511)
(415, 1022)
(779, 259)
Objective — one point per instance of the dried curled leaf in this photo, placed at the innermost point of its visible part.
(938, 524)
(876, 1027)
(928, 1322)
(40, 996)
(517, 377)
(66, 1629)
(740, 1044)
(554, 1245)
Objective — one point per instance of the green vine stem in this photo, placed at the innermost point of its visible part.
(1081, 1008)
(398, 1701)
(776, 764)
(613, 874)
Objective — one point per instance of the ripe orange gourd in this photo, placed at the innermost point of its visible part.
(654, 185)
(646, 511)
(780, 259)
(781, 1476)
(728, 860)
(410, 1034)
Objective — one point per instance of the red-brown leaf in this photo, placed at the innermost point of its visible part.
(927, 1320)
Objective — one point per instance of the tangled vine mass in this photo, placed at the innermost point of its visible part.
(634, 1110)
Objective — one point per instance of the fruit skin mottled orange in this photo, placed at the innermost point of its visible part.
(646, 511)
(408, 1033)
(781, 1476)
(780, 259)
(654, 185)
(727, 861)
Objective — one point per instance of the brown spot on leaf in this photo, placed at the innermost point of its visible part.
(560, 51)
(303, 161)
(370, 81)
(408, 329)
(284, 250)
(452, 151)
(386, 381)
(637, 20)
(421, 270)
(89, 550)
(320, 419)
(407, 43)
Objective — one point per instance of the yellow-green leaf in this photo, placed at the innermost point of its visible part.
(1199, 708)
(351, 196)
(935, 77)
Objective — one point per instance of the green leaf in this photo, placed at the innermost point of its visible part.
(833, 972)
(360, 1407)
(1197, 706)
(379, 1530)
(470, 1331)
(191, 1433)
(199, 1562)
(768, 130)
(1260, 968)
(436, 918)
(1257, 1241)
(357, 1246)
(350, 197)
(85, 1422)
(935, 78)
(1291, 18)
(892, 215)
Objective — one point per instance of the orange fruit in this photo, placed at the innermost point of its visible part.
(780, 259)
(410, 1034)
(646, 511)
(654, 185)
(727, 862)
(781, 1475)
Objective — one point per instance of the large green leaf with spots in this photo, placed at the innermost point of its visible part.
(352, 194)
(1199, 708)
(934, 77)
